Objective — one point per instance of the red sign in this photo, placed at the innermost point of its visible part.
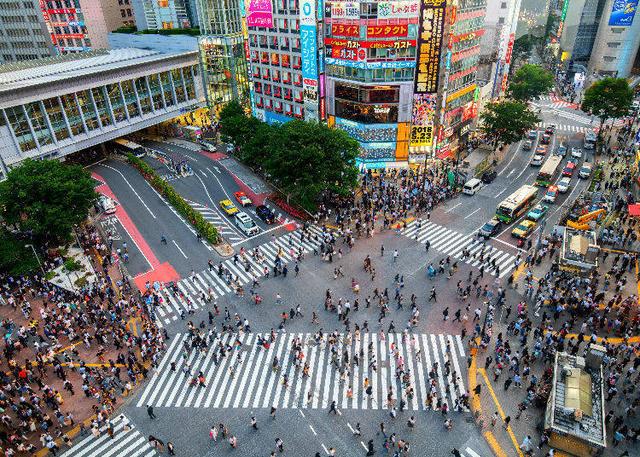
(62, 11)
(323, 110)
(469, 111)
(345, 30)
(398, 44)
(338, 52)
(512, 39)
(387, 31)
(70, 35)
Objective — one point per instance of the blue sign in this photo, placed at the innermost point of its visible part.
(371, 65)
(274, 118)
(309, 51)
(622, 12)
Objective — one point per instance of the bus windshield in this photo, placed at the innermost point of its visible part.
(548, 171)
(125, 146)
(517, 203)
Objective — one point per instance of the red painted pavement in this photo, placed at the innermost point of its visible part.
(162, 272)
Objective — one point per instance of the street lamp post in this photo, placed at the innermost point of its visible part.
(37, 257)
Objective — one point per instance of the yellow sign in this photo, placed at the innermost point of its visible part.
(461, 92)
(421, 135)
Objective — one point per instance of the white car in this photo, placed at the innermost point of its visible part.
(564, 184)
(107, 204)
(537, 160)
(246, 224)
(576, 152)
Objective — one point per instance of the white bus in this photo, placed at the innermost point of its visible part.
(590, 140)
(124, 146)
(548, 171)
(516, 203)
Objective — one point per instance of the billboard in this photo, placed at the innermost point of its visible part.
(345, 10)
(370, 65)
(309, 51)
(622, 12)
(423, 120)
(382, 44)
(260, 13)
(387, 31)
(351, 31)
(430, 37)
(398, 9)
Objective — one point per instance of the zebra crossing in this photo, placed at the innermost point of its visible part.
(555, 102)
(222, 224)
(190, 290)
(452, 243)
(127, 442)
(245, 378)
(565, 127)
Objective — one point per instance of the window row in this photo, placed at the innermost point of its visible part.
(277, 59)
(274, 42)
(359, 74)
(277, 76)
(278, 92)
(280, 107)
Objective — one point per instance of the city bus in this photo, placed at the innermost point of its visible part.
(590, 140)
(517, 203)
(124, 146)
(548, 171)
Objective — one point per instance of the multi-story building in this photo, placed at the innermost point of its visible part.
(63, 105)
(165, 14)
(460, 91)
(617, 41)
(23, 32)
(224, 51)
(579, 30)
(284, 54)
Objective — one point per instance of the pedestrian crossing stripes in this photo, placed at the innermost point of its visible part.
(190, 291)
(127, 441)
(245, 378)
(566, 128)
(556, 102)
(221, 223)
(453, 243)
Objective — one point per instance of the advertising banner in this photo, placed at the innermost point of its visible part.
(397, 44)
(370, 65)
(352, 31)
(398, 9)
(260, 13)
(339, 52)
(430, 37)
(423, 120)
(309, 51)
(387, 31)
(622, 12)
(345, 10)
(421, 135)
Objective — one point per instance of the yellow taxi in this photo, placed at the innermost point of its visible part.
(228, 207)
(523, 229)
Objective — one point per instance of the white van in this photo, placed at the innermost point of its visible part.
(107, 204)
(246, 224)
(472, 186)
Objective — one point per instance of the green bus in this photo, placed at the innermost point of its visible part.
(517, 203)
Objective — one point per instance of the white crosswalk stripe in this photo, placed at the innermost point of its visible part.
(222, 224)
(251, 382)
(566, 128)
(190, 290)
(470, 452)
(452, 243)
(127, 442)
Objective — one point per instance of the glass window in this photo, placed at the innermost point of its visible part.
(143, 95)
(117, 105)
(101, 104)
(54, 111)
(20, 127)
(73, 114)
(130, 98)
(166, 88)
(188, 79)
(88, 111)
(39, 123)
(176, 74)
(156, 92)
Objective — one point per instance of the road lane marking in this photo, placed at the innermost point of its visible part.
(314, 432)
(501, 192)
(469, 215)
(453, 207)
(131, 187)
(179, 249)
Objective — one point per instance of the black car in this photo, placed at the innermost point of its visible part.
(265, 214)
(488, 176)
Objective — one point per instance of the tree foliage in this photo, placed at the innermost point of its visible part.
(15, 257)
(506, 122)
(608, 98)
(530, 82)
(46, 198)
(523, 45)
(304, 159)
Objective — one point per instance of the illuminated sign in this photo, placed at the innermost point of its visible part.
(423, 120)
(398, 44)
(397, 9)
(387, 31)
(338, 52)
(622, 12)
(62, 11)
(309, 51)
(260, 13)
(345, 30)
(345, 10)
(370, 65)
(430, 36)
(512, 40)
(467, 36)
(461, 92)
(421, 135)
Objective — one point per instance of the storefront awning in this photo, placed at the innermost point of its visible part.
(634, 210)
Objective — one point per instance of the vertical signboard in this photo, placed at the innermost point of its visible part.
(622, 13)
(430, 37)
(309, 51)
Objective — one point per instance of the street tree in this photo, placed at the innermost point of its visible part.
(235, 126)
(506, 122)
(523, 46)
(15, 257)
(46, 198)
(609, 98)
(530, 82)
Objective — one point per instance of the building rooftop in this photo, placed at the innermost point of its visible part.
(578, 400)
(49, 70)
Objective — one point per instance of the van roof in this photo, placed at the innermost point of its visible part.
(242, 215)
(472, 182)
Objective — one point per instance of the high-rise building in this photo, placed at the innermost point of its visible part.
(579, 30)
(617, 40)
(23, 32)
(224, 51)
(165, 14)
(285, 55)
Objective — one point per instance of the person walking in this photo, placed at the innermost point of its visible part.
(332, 408)
(432, 295)
(254, 422)
(170, 448)
(150, 412)
(280, 444)
(506, 422)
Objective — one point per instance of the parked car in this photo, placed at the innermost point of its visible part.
(107, 204)
(488, 176)
(490, 228)
(537, 212)
(564, 184)
(228, 207)
(576, 152)
(265, 214)
(242, 198)
(523, 229)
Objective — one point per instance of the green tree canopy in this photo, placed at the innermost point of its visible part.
(523, 45)
(15, 257)
(506, 122)
(46, 198)
(530, 82)
(608, 98)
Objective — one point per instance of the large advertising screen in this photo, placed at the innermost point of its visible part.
(622, 12)
(423, 120)
(260, 13)
(430, 37)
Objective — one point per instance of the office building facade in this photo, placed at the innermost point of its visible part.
(165, 14)
(23, 32)
(67, 105)
(579, 31)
